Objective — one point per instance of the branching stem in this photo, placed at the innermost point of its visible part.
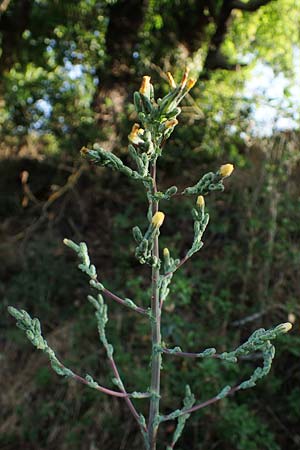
(123, 390)
(156, 334)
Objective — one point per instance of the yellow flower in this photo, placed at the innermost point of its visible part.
(226, 170)
(145, 86)
(185, 77)
(166, 252)
(158, 219)
(171, 80)
(171, 123)
(200, 201)
(190, 83)
(134, 134)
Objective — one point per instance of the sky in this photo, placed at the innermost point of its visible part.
(274, 109)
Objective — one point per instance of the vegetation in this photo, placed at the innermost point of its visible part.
(67, 79)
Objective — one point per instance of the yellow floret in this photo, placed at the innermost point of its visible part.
(134, 134)
(166, 252)
(200, 201)
(226, 170)
(185, 77)
(158, 219)
(145, 86)
(171, 123)
(190, 83)
(171, 80)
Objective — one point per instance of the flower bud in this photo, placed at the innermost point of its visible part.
(200, 201)
(190, 83)
(166, 252)
(171, 80)
(226, 170)
(145, 86)
(171, 123)
(292, 318)
(284, 327)
(158, 219)
(185, 77)
(134, 134)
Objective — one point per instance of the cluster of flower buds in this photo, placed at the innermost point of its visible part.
(145, 243)
(158, 118)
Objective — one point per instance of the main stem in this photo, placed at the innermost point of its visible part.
(156, 335)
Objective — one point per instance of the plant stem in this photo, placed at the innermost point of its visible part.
(122, 388)
(114, 297)
(156, 334)
(200, 405)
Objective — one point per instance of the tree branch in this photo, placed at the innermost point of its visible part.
(215, 59)
(251, 6)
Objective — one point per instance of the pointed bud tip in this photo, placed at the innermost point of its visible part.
(166, 252)
(285, 327)
(171, 80)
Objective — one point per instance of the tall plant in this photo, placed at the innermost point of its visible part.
(146, 142)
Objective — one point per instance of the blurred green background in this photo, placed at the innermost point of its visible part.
(67, 74)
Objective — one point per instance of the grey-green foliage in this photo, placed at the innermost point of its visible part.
(258, 341)
(188, 402)
(158, 120)
(33, 332)
(209, 182)
(101, 316)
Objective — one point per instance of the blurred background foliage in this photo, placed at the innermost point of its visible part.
(68, 71)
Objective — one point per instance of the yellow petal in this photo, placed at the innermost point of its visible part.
(145, 86)
(158, 219)
(226, 170)
(200, 201)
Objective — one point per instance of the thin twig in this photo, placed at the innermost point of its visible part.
(106, 390)
(199, 406)
(114, 297)
(127, 399)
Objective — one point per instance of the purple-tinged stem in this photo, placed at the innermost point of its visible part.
(127, 399)
(101, 388)
(114, 297)
(200, 405)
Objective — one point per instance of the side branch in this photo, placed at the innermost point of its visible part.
(90, 270)
(107, 391)
(128, 303)
(212, 400)
(127, 399)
